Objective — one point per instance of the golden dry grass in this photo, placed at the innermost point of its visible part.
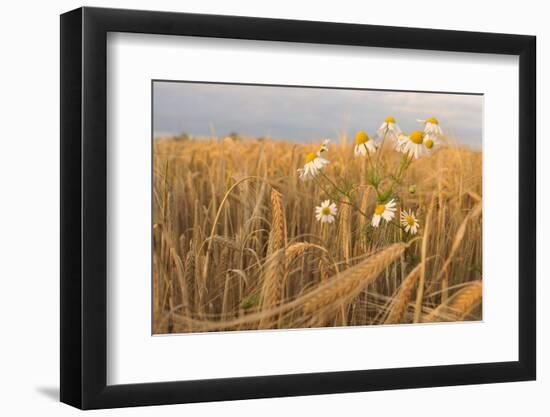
(236, 245)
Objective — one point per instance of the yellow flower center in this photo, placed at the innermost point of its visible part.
(390, 119)
(429, 143)
(310, 157)
(432, 120)
(325, 211)
(379, 209)
(416, 137)
(410, 220)
(361, 137)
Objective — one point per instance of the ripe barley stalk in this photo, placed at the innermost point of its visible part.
(460, 305)
(402, 298)
(344, 230)
(342, 288)
(424, 254)
(274, 267)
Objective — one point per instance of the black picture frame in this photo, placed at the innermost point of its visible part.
(84, 207)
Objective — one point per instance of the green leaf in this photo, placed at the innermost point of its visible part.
(251, 301)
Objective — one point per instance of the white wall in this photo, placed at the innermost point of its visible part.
(29, 237)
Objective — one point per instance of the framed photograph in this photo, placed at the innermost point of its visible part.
(257, 208)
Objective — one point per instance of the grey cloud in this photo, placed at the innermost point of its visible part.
(306, 114)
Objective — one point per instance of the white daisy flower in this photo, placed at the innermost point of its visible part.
(389, 129)
(314, 163)
(383, 211)
(326, 211)
(412, 144)
(431, 125)
(430, 140)
(409, 221)
(363, 144)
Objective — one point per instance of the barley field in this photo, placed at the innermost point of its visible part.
(237, 244)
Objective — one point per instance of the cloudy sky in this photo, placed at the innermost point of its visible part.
(306, 114)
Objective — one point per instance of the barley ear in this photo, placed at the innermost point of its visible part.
(344, 287)
(460, 305)
(401, 300)
(277, 236)
(274, 268)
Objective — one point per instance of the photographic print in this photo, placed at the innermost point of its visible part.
(289, 207)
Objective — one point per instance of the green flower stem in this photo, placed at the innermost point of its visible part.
(369, 158)
(397, 178)
(341, 192)
(395, 225)
(405, 163)
(382, 145)
(334, 185)
(355, 207)
(321, 185)
(374, 171)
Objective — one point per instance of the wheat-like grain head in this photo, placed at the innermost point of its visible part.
(344, 230)
(344, 287)
(277, 236)
(400, 301)
(460, 305)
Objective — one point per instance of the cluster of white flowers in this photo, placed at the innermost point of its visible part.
(387, 210)
(420, 142)
(414, 145)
